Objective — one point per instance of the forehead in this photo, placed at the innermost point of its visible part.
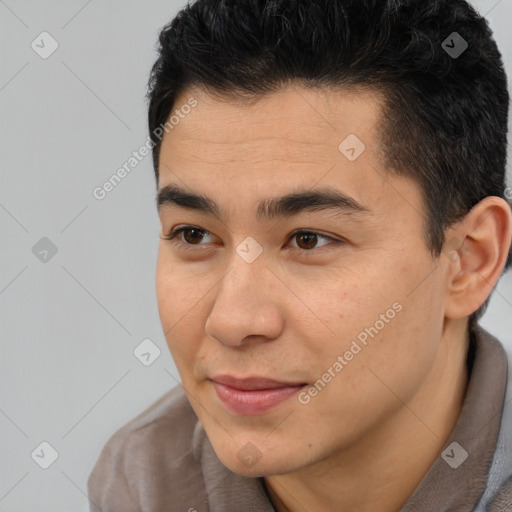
(293, 129)
(289, 140)
(293, 114)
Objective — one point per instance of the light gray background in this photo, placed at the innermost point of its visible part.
(69, 326)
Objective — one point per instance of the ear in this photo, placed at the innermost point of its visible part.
(476, 250)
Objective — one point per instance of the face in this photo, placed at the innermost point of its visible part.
(310, 292)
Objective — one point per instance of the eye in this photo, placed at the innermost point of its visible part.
(309, 239)
(189, 236)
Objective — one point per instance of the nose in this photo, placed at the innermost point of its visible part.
(247, 305)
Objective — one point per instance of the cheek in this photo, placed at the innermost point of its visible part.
(398, 355)
(176, 291)
(393, 363)
(393, 326)
(181, 310)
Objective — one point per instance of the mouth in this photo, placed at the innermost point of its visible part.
(255, 395)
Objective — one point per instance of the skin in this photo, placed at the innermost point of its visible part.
(288, 316)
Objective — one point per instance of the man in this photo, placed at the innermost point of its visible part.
(331, 190)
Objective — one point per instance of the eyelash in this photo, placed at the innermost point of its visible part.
(173, 238)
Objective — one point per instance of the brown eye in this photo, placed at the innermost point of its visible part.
(192, 235)
(187, 236)
(306, 240)
(192, 238)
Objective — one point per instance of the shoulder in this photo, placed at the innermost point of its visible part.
(167, 423)
(499, 486)
(502, 502)
(171, 412)
(149, 460)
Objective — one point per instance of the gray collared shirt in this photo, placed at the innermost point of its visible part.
(162, 460)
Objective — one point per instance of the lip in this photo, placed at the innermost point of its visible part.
(254, 395)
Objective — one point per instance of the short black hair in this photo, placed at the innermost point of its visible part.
(445, 116)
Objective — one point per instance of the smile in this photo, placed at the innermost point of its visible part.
(252, 397)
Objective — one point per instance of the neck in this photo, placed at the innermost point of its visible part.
(376, 475)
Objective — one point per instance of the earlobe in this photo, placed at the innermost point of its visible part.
(477, 251)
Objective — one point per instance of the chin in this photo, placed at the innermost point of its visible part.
(257, 464)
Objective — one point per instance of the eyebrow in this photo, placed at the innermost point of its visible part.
(324, 199)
